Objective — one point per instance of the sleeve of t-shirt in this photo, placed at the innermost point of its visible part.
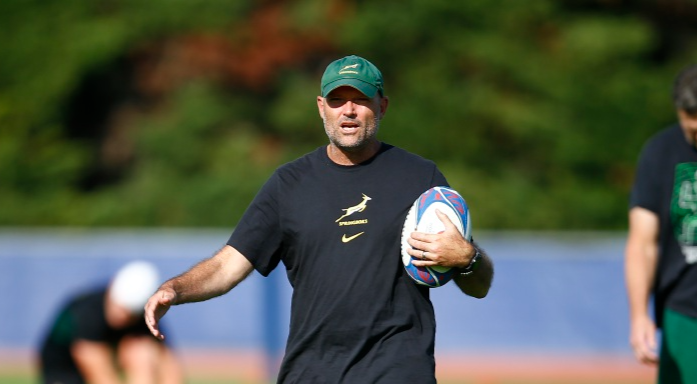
(438, 179)
(258, 235)
(645, 192)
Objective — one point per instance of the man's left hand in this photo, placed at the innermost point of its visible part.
(446, 249)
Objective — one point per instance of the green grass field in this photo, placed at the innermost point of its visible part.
(17, 379)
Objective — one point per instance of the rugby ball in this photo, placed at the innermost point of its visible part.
(422, 217)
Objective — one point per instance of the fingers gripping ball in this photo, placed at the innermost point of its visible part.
(422, 217)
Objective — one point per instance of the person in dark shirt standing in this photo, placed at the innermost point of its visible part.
(661, 253)
(334, 219)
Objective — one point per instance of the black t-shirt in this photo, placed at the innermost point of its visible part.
(666, 183)
(356, 316)
(82, 318)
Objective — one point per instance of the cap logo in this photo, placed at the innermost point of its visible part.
(345, 69)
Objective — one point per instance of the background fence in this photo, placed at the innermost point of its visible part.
(555, 296)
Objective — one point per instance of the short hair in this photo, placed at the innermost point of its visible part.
(685, 90)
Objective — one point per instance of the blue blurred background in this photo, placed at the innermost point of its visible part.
(554, 294)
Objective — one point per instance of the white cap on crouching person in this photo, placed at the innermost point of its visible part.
(133, 285)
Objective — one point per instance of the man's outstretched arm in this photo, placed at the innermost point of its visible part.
(210, 278)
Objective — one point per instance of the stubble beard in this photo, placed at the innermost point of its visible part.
(364, 141)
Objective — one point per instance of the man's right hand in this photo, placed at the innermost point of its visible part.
(156, 307)
(643, 340)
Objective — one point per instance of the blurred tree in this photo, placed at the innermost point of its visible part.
(175, 112)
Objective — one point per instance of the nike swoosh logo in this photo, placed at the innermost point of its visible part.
(347, 239)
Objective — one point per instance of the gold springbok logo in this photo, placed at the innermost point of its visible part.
(360, 207)
(346, 68)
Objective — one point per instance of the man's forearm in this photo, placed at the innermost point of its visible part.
(641, 259)
(477, 282)
(211, 277)
(94, 360)
(640, 267)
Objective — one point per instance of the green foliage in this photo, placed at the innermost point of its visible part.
(535, 111)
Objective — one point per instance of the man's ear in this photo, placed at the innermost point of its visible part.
(384, 102)
(320, 106)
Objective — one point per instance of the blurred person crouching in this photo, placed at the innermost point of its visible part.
(100, 336)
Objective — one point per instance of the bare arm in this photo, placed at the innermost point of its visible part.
(209, 278)
(478, 282)
(641, 259)
(95, 362)
(169, 369)
(450, 249)
(147, 361)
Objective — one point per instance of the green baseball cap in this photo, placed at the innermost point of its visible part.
(355, 72)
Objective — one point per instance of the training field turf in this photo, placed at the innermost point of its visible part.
(27, 378)
(18, 378)
(218, 367)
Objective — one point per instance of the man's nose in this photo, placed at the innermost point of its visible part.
(349, 108)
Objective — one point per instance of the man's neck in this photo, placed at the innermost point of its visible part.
(344, 157)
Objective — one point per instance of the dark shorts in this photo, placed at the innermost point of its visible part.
(678, 360)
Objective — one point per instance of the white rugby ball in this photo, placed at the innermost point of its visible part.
(422, 217)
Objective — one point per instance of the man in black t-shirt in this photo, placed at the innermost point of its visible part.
(100, 336)
(333, 218)
(661, 253)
